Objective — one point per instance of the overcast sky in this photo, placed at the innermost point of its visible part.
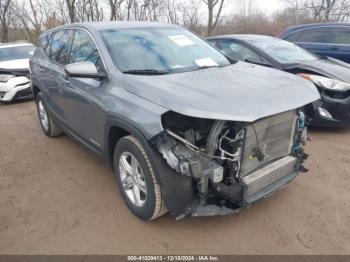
(270, 5)
(266, 5)
(230, 6)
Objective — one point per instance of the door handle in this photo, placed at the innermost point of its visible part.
(334, 48)
(41, 69)
(66, 81)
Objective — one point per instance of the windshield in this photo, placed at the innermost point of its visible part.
(167, 50)
(283, 51)
(16, 52)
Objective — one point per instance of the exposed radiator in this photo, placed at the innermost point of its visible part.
(274, 135)
(269, 174)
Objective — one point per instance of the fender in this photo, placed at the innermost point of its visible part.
(132, 130)
(177, 189)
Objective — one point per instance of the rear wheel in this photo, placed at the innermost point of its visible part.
(136, 179)
(50, 128)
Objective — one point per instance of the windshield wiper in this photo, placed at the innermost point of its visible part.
(146, 72)
(206, 67)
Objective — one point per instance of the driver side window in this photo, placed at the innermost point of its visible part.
(238, 52)
(84, 49)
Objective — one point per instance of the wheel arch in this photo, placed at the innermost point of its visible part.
(177, 190)
(35, 90)
(116, 129)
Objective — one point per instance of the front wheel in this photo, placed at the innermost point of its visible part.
(136, 179)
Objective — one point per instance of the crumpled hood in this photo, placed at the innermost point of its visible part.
(328, 67)
(18, 64)
(240, 92)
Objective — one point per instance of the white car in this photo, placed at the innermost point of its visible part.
(14, 71)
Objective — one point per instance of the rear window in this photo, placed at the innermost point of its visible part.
(342, 35)
(16, 52)
(45, 43)
(282, 51)
(318, 35)
(237, 51)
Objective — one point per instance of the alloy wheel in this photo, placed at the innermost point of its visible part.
(43, 115)
(132, 178)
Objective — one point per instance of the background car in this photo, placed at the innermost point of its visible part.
(14, 71)
(331, 76)
(332, 39)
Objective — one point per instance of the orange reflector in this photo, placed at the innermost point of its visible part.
(306, 76)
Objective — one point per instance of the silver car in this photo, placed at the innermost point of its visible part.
(14, 71)
(184, 129)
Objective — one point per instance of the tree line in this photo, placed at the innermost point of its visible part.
(27, 19)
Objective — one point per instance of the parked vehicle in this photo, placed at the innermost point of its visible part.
(329, 39)
(14, 71)
(183, 129)
(330, 76)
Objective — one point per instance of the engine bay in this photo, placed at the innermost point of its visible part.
(218, 155)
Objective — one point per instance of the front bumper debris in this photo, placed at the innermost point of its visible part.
(331, 112)
(221, 207)
(15, 88)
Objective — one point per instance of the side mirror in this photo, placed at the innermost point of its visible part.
(83, 70)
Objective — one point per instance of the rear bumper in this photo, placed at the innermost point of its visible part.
(339, 110)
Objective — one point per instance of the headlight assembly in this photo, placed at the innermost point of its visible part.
(5, 78)
(327, 83)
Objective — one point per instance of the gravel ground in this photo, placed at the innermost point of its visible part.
(58, 198)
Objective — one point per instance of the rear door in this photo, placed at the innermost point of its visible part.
(39, 63)
(341, 43)
(333, 41)
(53, 72)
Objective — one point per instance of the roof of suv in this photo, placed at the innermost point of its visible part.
(304, 26)
(117, 24)
(245, 37)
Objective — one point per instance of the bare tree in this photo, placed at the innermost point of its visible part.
(190, 17)
(323, 10)
(171, 10)
(329, 5)
(115, 6)
(71, 10)
(5, 14)
(213, 17)
(87, 10)
(32, 17)
(343, 13)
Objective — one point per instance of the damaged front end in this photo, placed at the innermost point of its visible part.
(232, 164)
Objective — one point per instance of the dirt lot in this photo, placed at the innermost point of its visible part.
(58, 198)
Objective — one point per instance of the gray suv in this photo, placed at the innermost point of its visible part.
(184, 129)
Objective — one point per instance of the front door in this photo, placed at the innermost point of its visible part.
(82, 103)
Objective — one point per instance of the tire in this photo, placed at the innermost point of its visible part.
(138, 186)
(48, 125)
